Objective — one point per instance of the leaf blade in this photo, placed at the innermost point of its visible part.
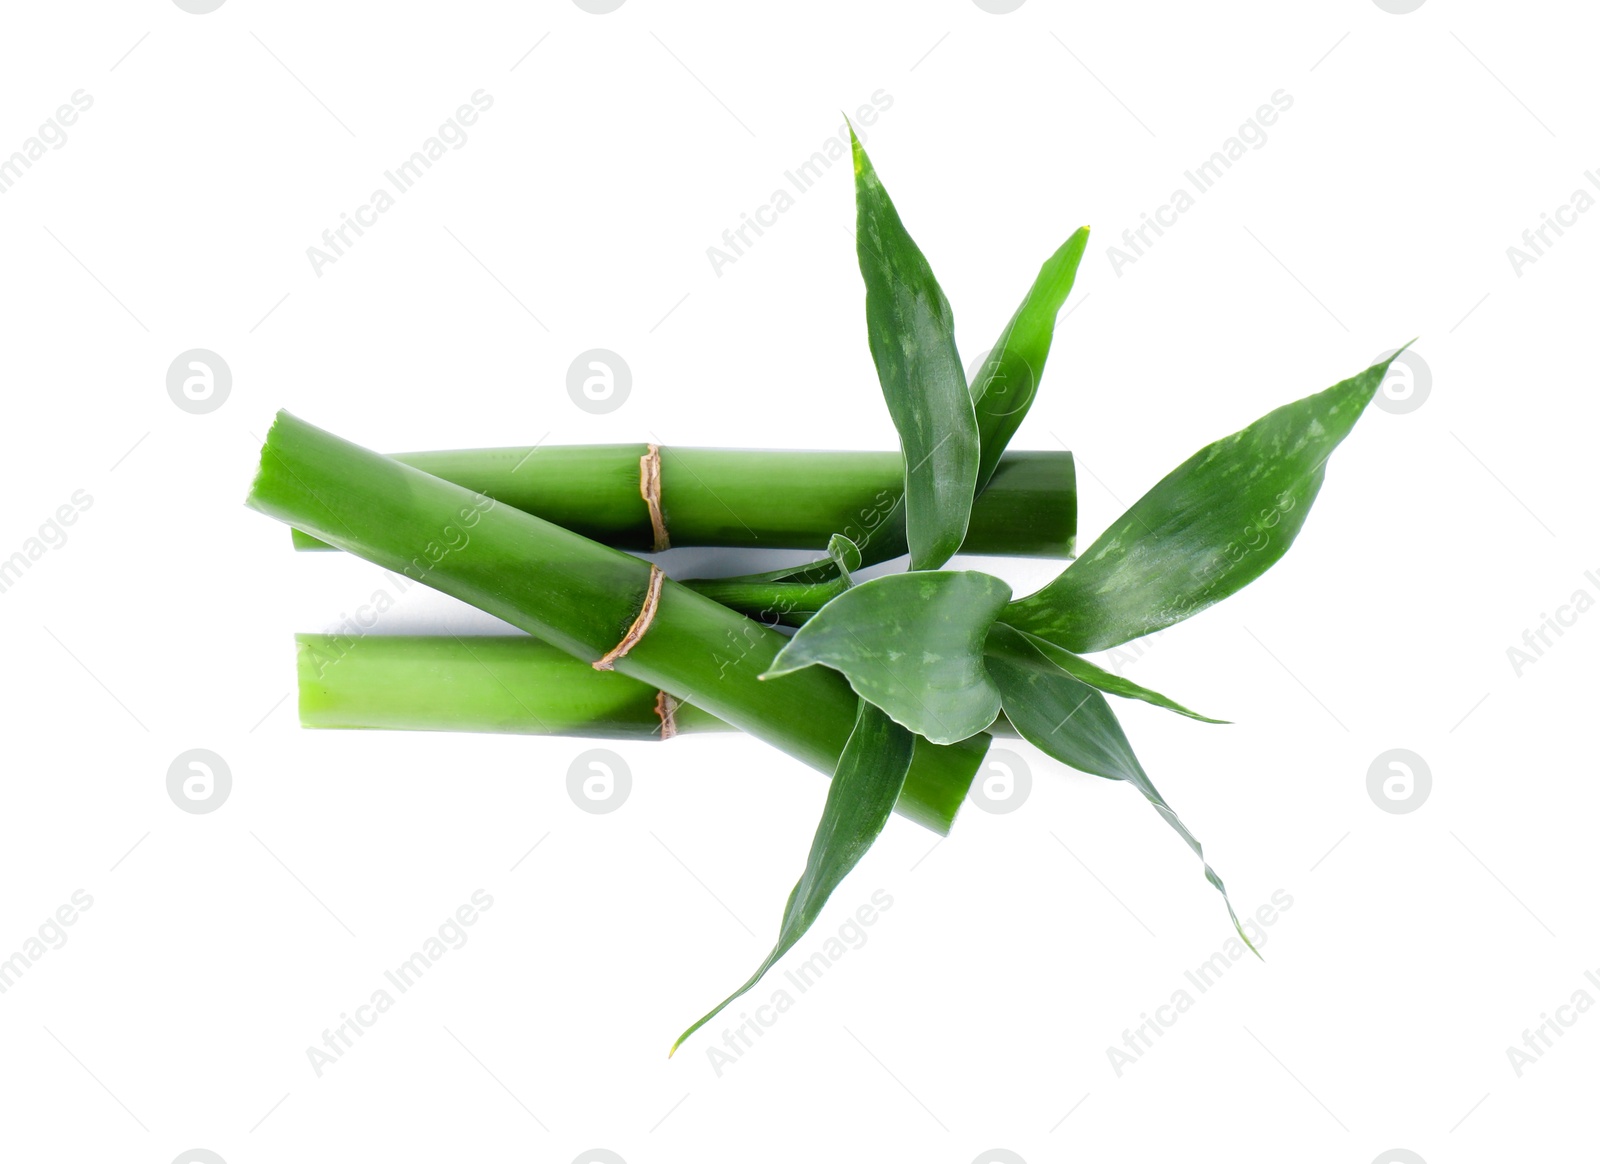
(1072, 722)
(913, 645)
(1207, 529)
(791, 594)
(1098, 677)
(871, 770)
(1006, 384)
(911, 332)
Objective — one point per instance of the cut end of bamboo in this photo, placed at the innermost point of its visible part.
(267, 450)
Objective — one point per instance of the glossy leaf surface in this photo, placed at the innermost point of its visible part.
(911, 332)
(1007, 382)
(913, 645)
(1207, 529)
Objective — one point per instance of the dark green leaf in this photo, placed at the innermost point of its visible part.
(1210, 527)
(1072, 722)
(866, 783)
(912, 335)
(1009, 378)
(913, 645)
(1095, 676)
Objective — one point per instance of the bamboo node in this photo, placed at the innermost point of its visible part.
(650, 490)
(647, 614)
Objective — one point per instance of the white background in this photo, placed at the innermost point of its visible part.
(978, 1015)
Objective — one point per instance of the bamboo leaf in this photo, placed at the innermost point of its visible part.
(843, 556)
(866, 783)
(1098, 677)
(1072, 722)
(790, 595)
(1206, 530)
(844, 553)
(1005, 386)
(911, 332)
(576, 595)
(913, 645)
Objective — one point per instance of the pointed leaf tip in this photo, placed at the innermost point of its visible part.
(1071, 721)
(1008, 380)
(1205, 530)
(1099, 678)
(866, 783)
(911, 333)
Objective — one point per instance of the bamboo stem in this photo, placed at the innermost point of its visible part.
(581, 597)
(495, 683)
(508, 684)
(760, 499)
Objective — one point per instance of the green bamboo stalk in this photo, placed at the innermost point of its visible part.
(762, 499)
(512, 684)
(505, 684)
(581, 597)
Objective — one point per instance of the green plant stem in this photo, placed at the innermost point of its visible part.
(758, 499)
(581, 597)
(512, 684)
(509, 684)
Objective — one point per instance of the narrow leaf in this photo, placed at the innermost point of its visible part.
(1207, 529)
(866, 783)
(1096, 676)
(843, 556)
(913, 645)
(1006, 384)
(912, 335)
(1072, 722)
(790, 595)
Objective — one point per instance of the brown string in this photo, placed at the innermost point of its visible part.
(666, 708)
(650, 490)
(647, 614)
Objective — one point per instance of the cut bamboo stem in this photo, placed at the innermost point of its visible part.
(581, 597)
(511, 684)
(762, 499)
(507, 684)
